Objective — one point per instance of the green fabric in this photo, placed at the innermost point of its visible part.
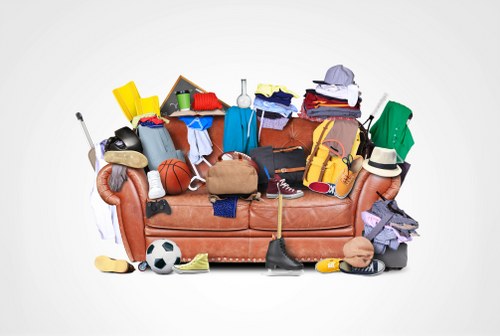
(391, 131)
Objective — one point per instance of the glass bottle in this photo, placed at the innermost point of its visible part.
(244, 100)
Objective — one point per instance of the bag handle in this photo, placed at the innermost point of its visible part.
(239, 156)
(335, 150)
(288, 149)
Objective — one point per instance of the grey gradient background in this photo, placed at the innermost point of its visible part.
(58, 57)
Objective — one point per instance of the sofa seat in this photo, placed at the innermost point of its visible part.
(249, 233)
(193, 211)
(316, 212)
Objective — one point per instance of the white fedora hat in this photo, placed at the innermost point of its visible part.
(382, 162)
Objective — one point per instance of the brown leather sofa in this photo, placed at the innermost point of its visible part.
(315, 226)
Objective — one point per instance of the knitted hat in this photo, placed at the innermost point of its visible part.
(358, 252)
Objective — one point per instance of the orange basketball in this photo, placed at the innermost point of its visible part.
(175, 176)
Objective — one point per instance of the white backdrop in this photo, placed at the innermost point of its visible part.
(60, 57)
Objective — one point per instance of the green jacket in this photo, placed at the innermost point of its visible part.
(391, 130)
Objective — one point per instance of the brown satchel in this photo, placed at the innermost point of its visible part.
(231, 177)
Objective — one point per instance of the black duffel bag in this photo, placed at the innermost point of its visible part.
(289, 163)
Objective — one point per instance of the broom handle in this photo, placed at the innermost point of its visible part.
(280, 212)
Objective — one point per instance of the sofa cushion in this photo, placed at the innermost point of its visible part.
(193, 211)
(316, 212)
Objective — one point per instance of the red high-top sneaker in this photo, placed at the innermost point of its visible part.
(278, 185)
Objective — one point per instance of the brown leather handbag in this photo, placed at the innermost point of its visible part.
(235, 176)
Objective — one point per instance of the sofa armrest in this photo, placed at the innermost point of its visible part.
(130, 204)
(364, 194)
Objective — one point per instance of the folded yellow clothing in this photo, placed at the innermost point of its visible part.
(148, 105)
(268, 90)
(126, 96)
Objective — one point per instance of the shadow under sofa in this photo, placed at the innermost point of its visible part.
(315, 226)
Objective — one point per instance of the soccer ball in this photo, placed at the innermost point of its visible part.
(162, 254)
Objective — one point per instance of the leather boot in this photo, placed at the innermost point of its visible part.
(277, 258)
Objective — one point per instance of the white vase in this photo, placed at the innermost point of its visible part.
(244, 100)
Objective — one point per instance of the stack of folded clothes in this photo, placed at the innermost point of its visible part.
(337, 96)
(273, 104)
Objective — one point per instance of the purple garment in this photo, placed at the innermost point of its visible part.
(277, 124)
(371, 220)
(279, 97)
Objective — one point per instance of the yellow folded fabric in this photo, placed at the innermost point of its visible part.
(126, 97)
(148, 105)
(268, 90)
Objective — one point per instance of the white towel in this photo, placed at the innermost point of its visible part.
(199, 144)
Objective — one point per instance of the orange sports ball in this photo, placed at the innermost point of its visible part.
(175, 176)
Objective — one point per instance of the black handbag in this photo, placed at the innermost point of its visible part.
(289, 163)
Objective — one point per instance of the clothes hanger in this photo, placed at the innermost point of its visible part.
(197, 176)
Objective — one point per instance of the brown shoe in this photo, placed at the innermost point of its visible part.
(346, 180)
(107, 264)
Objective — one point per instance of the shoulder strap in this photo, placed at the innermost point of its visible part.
(316, 147)
(380, 225)
(287, 149)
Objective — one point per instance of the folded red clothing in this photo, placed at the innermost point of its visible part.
(312, 100)
(205, 102)
(155, 120)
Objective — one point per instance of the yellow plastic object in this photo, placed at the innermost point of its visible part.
(147, 105)
(126, 97)
(328, 265)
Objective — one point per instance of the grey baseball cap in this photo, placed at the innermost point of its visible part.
(337, 75)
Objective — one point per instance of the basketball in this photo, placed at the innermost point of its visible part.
(175, 176)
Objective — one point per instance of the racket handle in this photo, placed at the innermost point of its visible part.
(87, 134)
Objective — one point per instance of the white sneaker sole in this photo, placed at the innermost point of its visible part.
(273, 196)
(181, 271)
(282, 272)
(156, 194)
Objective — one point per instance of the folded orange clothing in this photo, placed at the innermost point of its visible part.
(206, 102)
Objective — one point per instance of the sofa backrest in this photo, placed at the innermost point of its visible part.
(298, 132)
